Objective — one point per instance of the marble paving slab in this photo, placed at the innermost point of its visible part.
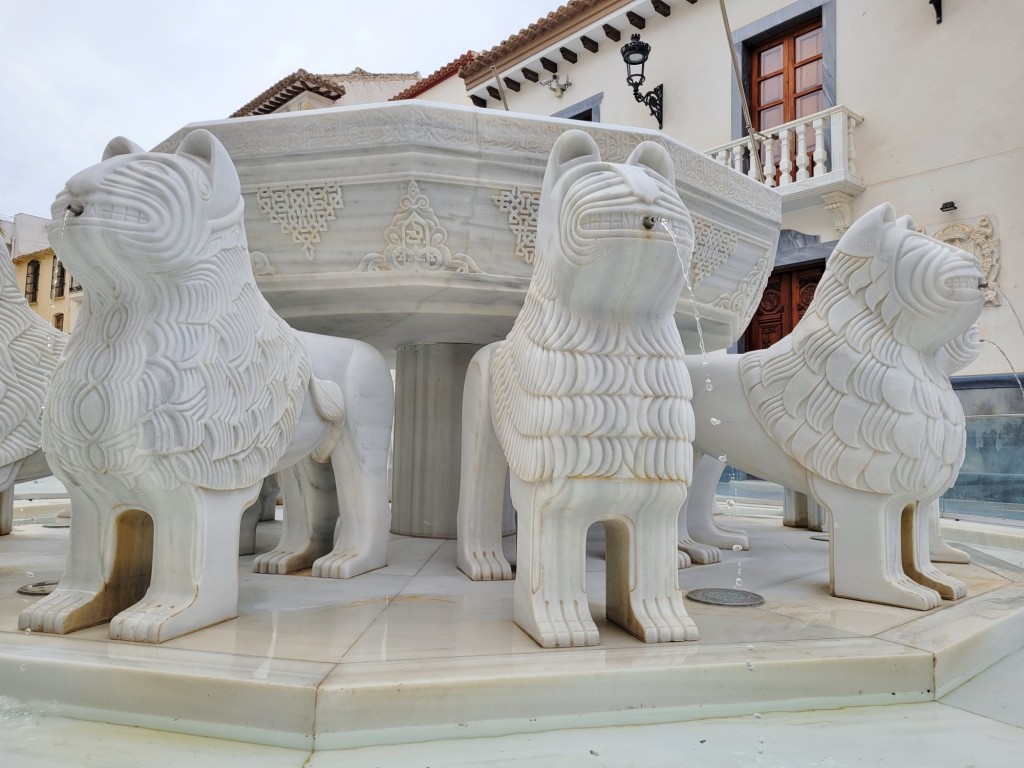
(416, 652)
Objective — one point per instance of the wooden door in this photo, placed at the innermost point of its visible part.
(784, 301)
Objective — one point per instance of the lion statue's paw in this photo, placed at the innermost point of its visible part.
(660, 620)
(58, 613)
(164, 615)
(482, 565)
(345, 564)
(702, 554)
(901, 592)
(282, 561)
(561, 624)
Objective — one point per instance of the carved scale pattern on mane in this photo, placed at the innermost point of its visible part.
(29, 349)
(632, 422)
(849, 394)
(179, 372)
(596, 393)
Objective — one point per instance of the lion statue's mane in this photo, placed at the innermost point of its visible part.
(858, 392)
(587, 402)
(29, 350)
(587, 388)
(855, 409)
(195, 380)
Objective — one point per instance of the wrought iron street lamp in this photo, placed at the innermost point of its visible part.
(635, 54)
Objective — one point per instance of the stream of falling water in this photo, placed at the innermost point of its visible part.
(1012, 309)
(708, 384)
(693, 301)
(1006, 357)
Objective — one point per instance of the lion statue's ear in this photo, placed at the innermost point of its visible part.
(655, 157)
(119, 145)
(204, 149)
(571, 147)
(864, 237)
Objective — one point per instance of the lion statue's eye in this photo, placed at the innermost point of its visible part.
(201, 183)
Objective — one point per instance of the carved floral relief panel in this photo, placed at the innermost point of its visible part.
(415, 240)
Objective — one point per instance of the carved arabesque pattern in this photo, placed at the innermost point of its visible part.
(521, 205)
(744, 300)
(301, 210)
(416, 241)
(713, 245)
(414, 123)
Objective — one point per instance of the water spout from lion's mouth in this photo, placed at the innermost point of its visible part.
(649, 222)
(75, 209)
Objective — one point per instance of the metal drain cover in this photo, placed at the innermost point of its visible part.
(737, 598)
(38, 589)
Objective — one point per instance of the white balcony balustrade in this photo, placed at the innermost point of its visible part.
(810, 161)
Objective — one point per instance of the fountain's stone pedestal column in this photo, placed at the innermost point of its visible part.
(428, 438)
(801, 511)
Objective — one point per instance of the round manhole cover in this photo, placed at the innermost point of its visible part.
(732, 597)
(38, 589)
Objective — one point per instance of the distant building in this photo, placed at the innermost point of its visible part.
(304, 90)
(50, 290)
(852, 104)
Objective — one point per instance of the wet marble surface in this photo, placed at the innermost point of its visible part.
(416, 652)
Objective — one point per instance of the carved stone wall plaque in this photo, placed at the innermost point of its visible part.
(980, 238)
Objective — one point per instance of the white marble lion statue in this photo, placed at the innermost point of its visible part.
(180, 391)
(29, 350)
(855, 409)
(587, 403)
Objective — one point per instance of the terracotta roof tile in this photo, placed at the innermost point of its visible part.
(555, 21)
(452, 68)
(288, 88)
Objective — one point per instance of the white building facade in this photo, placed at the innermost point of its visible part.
(855, 103)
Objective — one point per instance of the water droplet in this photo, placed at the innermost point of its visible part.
(715, 422)
(737, 548)
(705, 363)
(739, 582)
(29, 574)
(750, 647)
(750, 665)
(758, 715)
(28, 631)
(723, 458)
(22, 667)
(709, 386)
(731, 504)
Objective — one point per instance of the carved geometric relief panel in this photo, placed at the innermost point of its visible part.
(980, 238)
(521, 206)
(416, 241)
(712, 247)
(301, 210)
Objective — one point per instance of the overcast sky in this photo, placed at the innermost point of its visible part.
(76, 73)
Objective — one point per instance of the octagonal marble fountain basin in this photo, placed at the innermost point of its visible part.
(414, 222)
